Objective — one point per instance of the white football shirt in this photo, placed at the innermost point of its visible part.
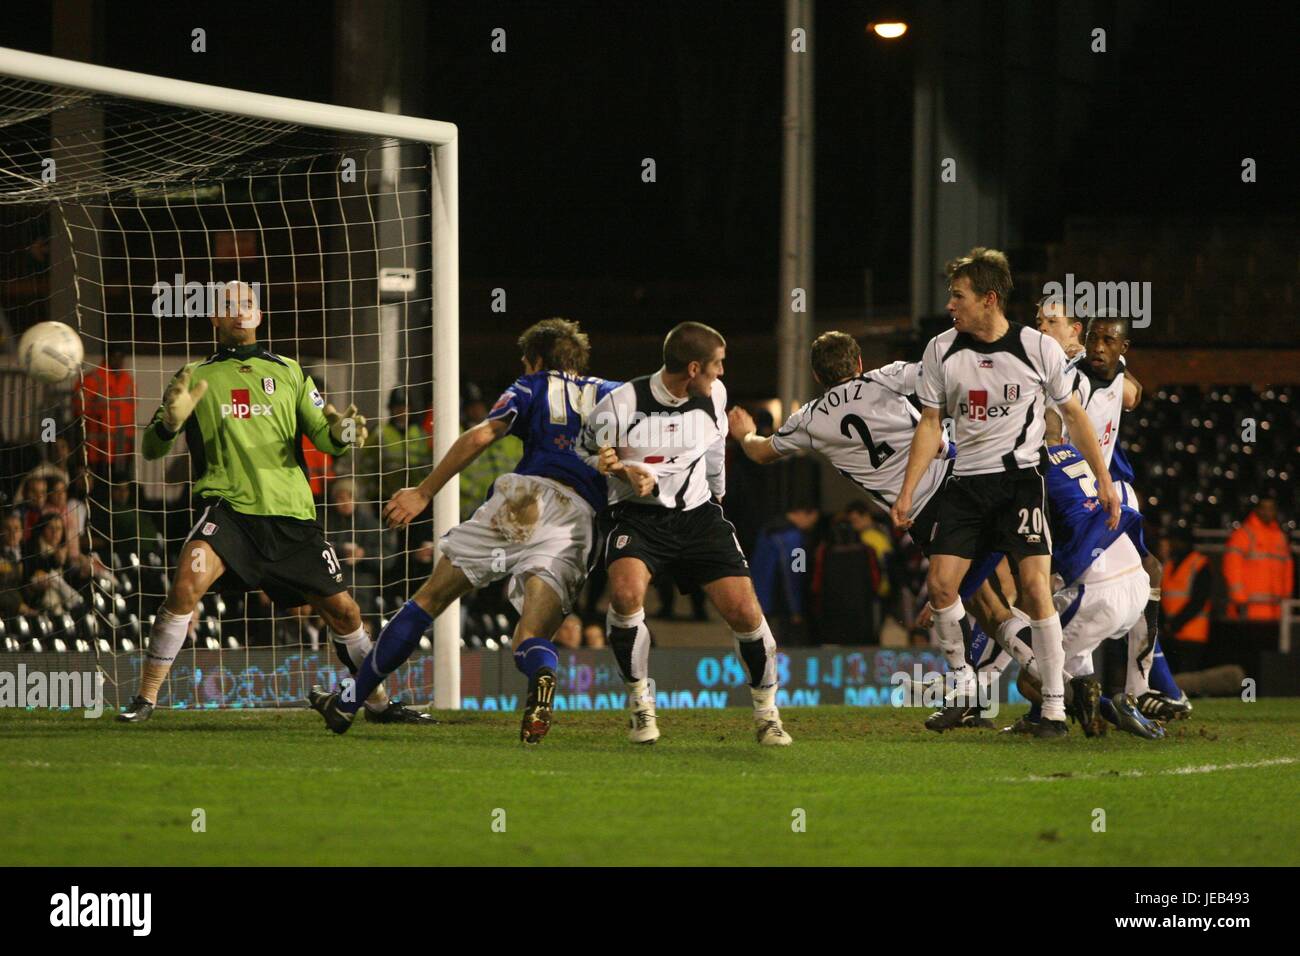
(682, 441)
(864, 427)
(996, 393)
(1102, 400)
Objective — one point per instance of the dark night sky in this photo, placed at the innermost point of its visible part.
(554, 131)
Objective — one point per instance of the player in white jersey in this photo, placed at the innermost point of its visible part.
(674, 424)
(862, 423)
(1101, 382)
(995, 379)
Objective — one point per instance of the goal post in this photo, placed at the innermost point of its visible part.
(231, 146)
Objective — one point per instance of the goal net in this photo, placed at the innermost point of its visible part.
(126, 203)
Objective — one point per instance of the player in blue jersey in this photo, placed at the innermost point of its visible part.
(1103, 592)
(1101, 369)
(536, 527)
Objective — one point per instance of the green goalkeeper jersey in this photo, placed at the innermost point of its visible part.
(245, 435)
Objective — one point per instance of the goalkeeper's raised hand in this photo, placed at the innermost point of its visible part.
(347, 427)
(179, 400)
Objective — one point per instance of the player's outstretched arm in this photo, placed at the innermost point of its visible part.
(408, 503)
(927, 442)
(1052, 428)
(177, 406)
(1132, 391)
(756, 448)
(1084, 438)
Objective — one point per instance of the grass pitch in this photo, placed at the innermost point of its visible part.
(874, 786)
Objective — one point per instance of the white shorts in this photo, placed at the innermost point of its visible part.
(1127, 496)
(1092, 613)
(530, 525)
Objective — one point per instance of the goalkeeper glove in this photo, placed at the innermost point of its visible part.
(347, 427)
(179, 400)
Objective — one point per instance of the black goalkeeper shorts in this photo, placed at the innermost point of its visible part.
(288, 558)
(695, 547)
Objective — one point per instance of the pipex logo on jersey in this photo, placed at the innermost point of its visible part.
(240, 406)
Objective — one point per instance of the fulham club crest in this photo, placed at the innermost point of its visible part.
(268, 385)
(1011, 392)
(621, 541)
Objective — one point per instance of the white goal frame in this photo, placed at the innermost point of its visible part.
(442, 140)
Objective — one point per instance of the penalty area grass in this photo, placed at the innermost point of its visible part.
(858, 787)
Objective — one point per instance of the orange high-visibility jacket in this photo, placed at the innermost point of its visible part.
(1258, 569)
(105, 401)
(1176, 591)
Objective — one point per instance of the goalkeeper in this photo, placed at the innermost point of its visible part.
(242, 410)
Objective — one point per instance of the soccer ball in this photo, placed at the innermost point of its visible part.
(51, 352)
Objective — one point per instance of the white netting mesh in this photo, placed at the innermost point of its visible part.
(102, 199)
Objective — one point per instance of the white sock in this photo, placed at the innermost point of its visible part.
(1140, 659)
(757, 653)
(764, 701)
(642, 690)
(631, 651)
(947, 627)
(358, 644)
(166, 637)
(1010, 639)
(1049, 649)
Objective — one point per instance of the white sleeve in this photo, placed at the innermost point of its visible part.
(794, 436)
(715, 464)
(715, 458)
(900, 377)
(1057, 380)
(929, 379)
(599, 429)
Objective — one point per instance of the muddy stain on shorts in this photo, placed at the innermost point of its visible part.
(516, 519)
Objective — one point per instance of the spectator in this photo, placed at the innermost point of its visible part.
(496, 460)
(32, 503)
(1186, 590)
(131, 531)
(353, 530)
(397, 448)
(918, 637)
(48, 568)
(846, 578)
(1257, 566)
(751, 501)
(876, 538)
(73, 512)
(13, 579)
(779, 567)
(319, 465)
(105, 401)
(569, 635)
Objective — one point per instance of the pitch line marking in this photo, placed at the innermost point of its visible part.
(1173, 772)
